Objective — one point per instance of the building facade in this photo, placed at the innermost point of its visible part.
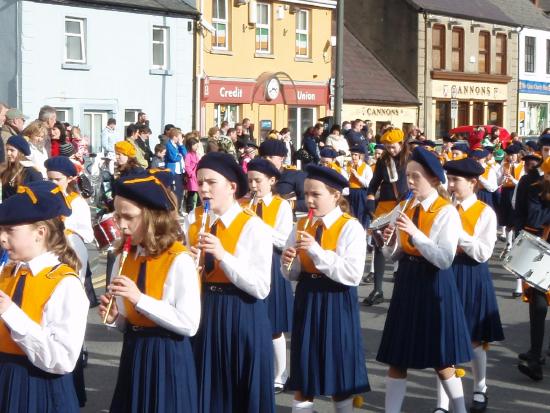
(269, 61)
(92, 63)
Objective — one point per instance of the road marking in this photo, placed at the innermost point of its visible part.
(99, 281)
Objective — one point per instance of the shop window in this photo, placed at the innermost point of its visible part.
(484, 55)
(494, 116)
(302, 33)
(477, 113)
(537, 118)
(442, 118)
(75, 40)
(463, 113)
(160, 47)
(500, 56)
(438, 47)
(220, 23)
(299, 119)
(223, 112)
(458, 50)
(530, 57)
(263, 28)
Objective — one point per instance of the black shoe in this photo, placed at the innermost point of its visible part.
(479, 407)
(370, 248)
(368, 279)
(528, 356)
(515, 294)
(376, 297)
(440, 410)
(531, 369)
(279, 388)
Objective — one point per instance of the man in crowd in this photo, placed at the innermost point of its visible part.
(142, 119)
(132, 133)
(108, 136)
(224, 127)
(248, 129)
(142, 142)
(164, 137)
(13, 125)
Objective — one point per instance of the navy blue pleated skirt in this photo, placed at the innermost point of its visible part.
(280, 298)
(78, 380)
(425, 326)
(506, 214)
(326, 350)
(156, 374)
(26, 388)
(357, 202)
(234, 352)
(486, 196)
(479, 301)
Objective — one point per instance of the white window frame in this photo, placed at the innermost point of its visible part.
(94, 135)
(302, 31)
(166, 47)
(135, 112)
(82, 36)
(260, 26)
(67, 113)
(218, 113)
(218, 20)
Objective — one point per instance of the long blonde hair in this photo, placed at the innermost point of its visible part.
(56, 242)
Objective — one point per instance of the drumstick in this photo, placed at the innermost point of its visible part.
(405, 205)
(125, 251)
(306, 224)
(206, 208)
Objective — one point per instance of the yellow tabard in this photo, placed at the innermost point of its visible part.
(269, 212)
(155, 277)
(38, 290)
(353, 181)
(229, 238)
(328, 240)
(516, 173)
(425, 222)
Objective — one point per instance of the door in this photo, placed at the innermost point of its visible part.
(92, 125)
(299, 119)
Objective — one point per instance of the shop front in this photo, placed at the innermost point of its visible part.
(270, 102)
(534, 99)
(402, 117)
(475, 103)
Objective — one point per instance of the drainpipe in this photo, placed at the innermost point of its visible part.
(427, 104)
(517, 86)
(19, 55)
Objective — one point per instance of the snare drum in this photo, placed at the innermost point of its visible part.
(106, 231)
(529, 259)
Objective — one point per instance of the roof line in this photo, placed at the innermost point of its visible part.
(382, 101)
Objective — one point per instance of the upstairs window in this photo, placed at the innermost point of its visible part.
(160, 47)
(500, 55)
(220, 23)
(302, 33)
(484, 55)
(263, 28)
(458, 50)
(530, 43)
(438, 47)
(75, 40)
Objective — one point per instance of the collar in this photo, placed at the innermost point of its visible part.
(266, 199)
(330, 218)
(427, 203)
(468, 202)
(541, 172)
(228, 217)
(37, 264)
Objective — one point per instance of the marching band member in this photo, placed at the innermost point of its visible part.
(388, 178)
(360, 175)
(290, 185)
(459, 151)
(233, 348)
(157, 303)
(425, 325)
(43, 307)
(327, 259)
(471, 269)
(378, 152)
(446, 149)
(488, 180)
(328, 159)
(277, 214)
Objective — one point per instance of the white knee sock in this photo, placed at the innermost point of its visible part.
(302, 407)
(453, 388)
(279, 353)
(509, 238)
(519, 285)
(503, 231)
(442, 398)
(395, 393)
(372, 262)
(479, 369)
(395, 266)
(344, 406)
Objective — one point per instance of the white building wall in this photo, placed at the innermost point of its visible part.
(117, 72)
(8, 51)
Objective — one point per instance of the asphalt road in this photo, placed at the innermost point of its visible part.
(509, 390)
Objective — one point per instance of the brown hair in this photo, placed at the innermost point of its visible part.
(402, 157)
(544, 186)
(173, 132)
(34, 129)
(56, 242)
(13, 171)
(161, 230)
(128, 166)
(342, 201)
(212, 131)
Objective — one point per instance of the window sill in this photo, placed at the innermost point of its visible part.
(160, 72)
(222, 52)
(264, 55)
(303, 59)
(75, 66)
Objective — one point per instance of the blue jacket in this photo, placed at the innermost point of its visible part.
(310, 145)
(174, 155)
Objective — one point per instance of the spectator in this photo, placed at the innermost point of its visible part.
(309, 143)
(164, 137)
(47, 115)
(248, 128)
(109, 136)
(34, 133)
(287, 139)
(338, 143)
(19, 170)
(195, 134)
(225, 144)
(191, 161)
(13, 124)
(80, 145)
(175, 155)
(142, 142)
(239, 130)
(354, 135)
(132, 133)
(224, 127)
(142, 119)
(212, 145)
(58, 138)
(250, 151)
(346, 126)
(158, 159)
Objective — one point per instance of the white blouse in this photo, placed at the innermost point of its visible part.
(283, 221)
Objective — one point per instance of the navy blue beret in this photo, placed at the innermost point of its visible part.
(61, 164)
(513, 149)
(227, 166)
(164, 175)
(273, 147)
(328, 176)
(462, 147)
(264, 166)
(37, 201)
(544, 140)
(532, 157)
(328, 153)
(489, 148)
(19, 143)
(357, 149)
(429, 161)
(429, 143)
(379, 146)
(145, 190)
(533, 145)
(466, 167)
(479, 153)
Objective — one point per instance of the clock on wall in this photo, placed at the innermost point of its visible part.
(272, 89)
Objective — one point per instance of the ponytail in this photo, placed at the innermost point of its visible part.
(442, 192)
(341, 202)
(56, 242)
